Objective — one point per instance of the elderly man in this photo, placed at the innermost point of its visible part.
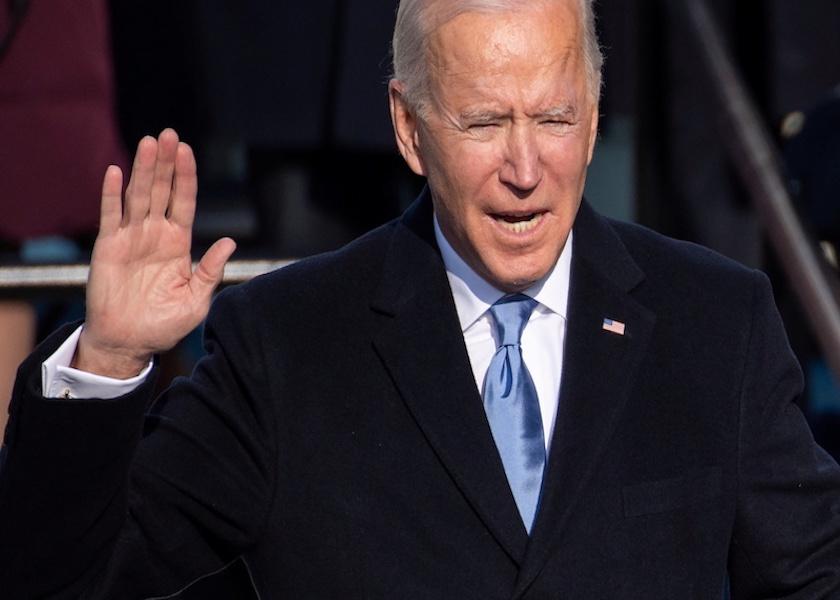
(500, 395)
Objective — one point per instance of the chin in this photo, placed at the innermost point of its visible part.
(514, 282)
(515, 278)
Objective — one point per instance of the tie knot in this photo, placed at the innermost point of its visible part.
(511, 313)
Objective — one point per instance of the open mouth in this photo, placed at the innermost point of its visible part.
(519, 223)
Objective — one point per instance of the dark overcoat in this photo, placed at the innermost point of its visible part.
(334, 437)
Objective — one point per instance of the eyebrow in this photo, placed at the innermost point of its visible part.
(482, 115)
(566, 111)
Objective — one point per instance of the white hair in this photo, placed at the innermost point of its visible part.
(418, 19)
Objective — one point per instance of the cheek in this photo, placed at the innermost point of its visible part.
(568, 159)
(465, 170)
(481, 160)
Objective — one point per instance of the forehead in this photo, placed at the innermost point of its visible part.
(538, 46)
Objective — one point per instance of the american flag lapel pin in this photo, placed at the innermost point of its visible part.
(616, 327)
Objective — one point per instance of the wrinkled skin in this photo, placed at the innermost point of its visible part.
(506, 137)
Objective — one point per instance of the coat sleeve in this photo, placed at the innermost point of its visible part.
(100, 499)
(786, 541)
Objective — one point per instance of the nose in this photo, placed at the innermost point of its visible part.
(522, 168)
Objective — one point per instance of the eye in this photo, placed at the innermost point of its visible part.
(555, 122)
(483, 130)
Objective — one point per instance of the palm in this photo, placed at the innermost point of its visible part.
(143, 271)
(143, 295)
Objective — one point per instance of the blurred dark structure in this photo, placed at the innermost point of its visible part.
(789, 56)
(811, 148)
(286, 106)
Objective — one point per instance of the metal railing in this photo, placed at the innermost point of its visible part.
(755, 157)
(29, 279)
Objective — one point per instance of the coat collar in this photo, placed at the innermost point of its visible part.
(421, 345)
(598, 375)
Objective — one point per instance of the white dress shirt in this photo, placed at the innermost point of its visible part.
(59, 380)
(542, 338)
(544, 334)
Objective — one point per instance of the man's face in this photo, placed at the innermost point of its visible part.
(506, 138)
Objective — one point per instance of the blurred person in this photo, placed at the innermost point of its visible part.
(812, 155)
(57, 125)
(17, 322)
(811, 152)
(501, 394)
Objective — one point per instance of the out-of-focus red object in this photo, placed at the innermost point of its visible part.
(58, 127)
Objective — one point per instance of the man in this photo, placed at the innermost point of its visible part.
(500, 395)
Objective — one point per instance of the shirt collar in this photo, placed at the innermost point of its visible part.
(473, 295)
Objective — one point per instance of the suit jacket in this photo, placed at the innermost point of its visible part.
(335, 438)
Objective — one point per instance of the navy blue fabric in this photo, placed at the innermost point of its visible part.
(335, 439)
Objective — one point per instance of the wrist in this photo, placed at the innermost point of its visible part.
(116, 363)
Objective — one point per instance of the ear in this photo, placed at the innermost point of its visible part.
(593, 132)
(405, 127)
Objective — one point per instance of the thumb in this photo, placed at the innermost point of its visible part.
(211, 267)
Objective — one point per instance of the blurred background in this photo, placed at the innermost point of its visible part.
(285, 104)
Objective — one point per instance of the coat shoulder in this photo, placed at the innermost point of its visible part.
(685, 269)
(652, 248)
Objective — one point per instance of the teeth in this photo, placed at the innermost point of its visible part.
(521, 226)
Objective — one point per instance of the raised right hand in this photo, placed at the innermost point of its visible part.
(142, 294)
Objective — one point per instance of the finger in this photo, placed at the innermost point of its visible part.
(211, 267)
(140, 184)
(185, 188)
(167, 146)
(110, 213)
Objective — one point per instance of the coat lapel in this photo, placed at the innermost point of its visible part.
(421, 344)
(599, 368)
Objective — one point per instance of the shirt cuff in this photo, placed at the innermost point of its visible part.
(59, 380)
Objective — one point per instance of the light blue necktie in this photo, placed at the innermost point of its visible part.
(513, 410)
